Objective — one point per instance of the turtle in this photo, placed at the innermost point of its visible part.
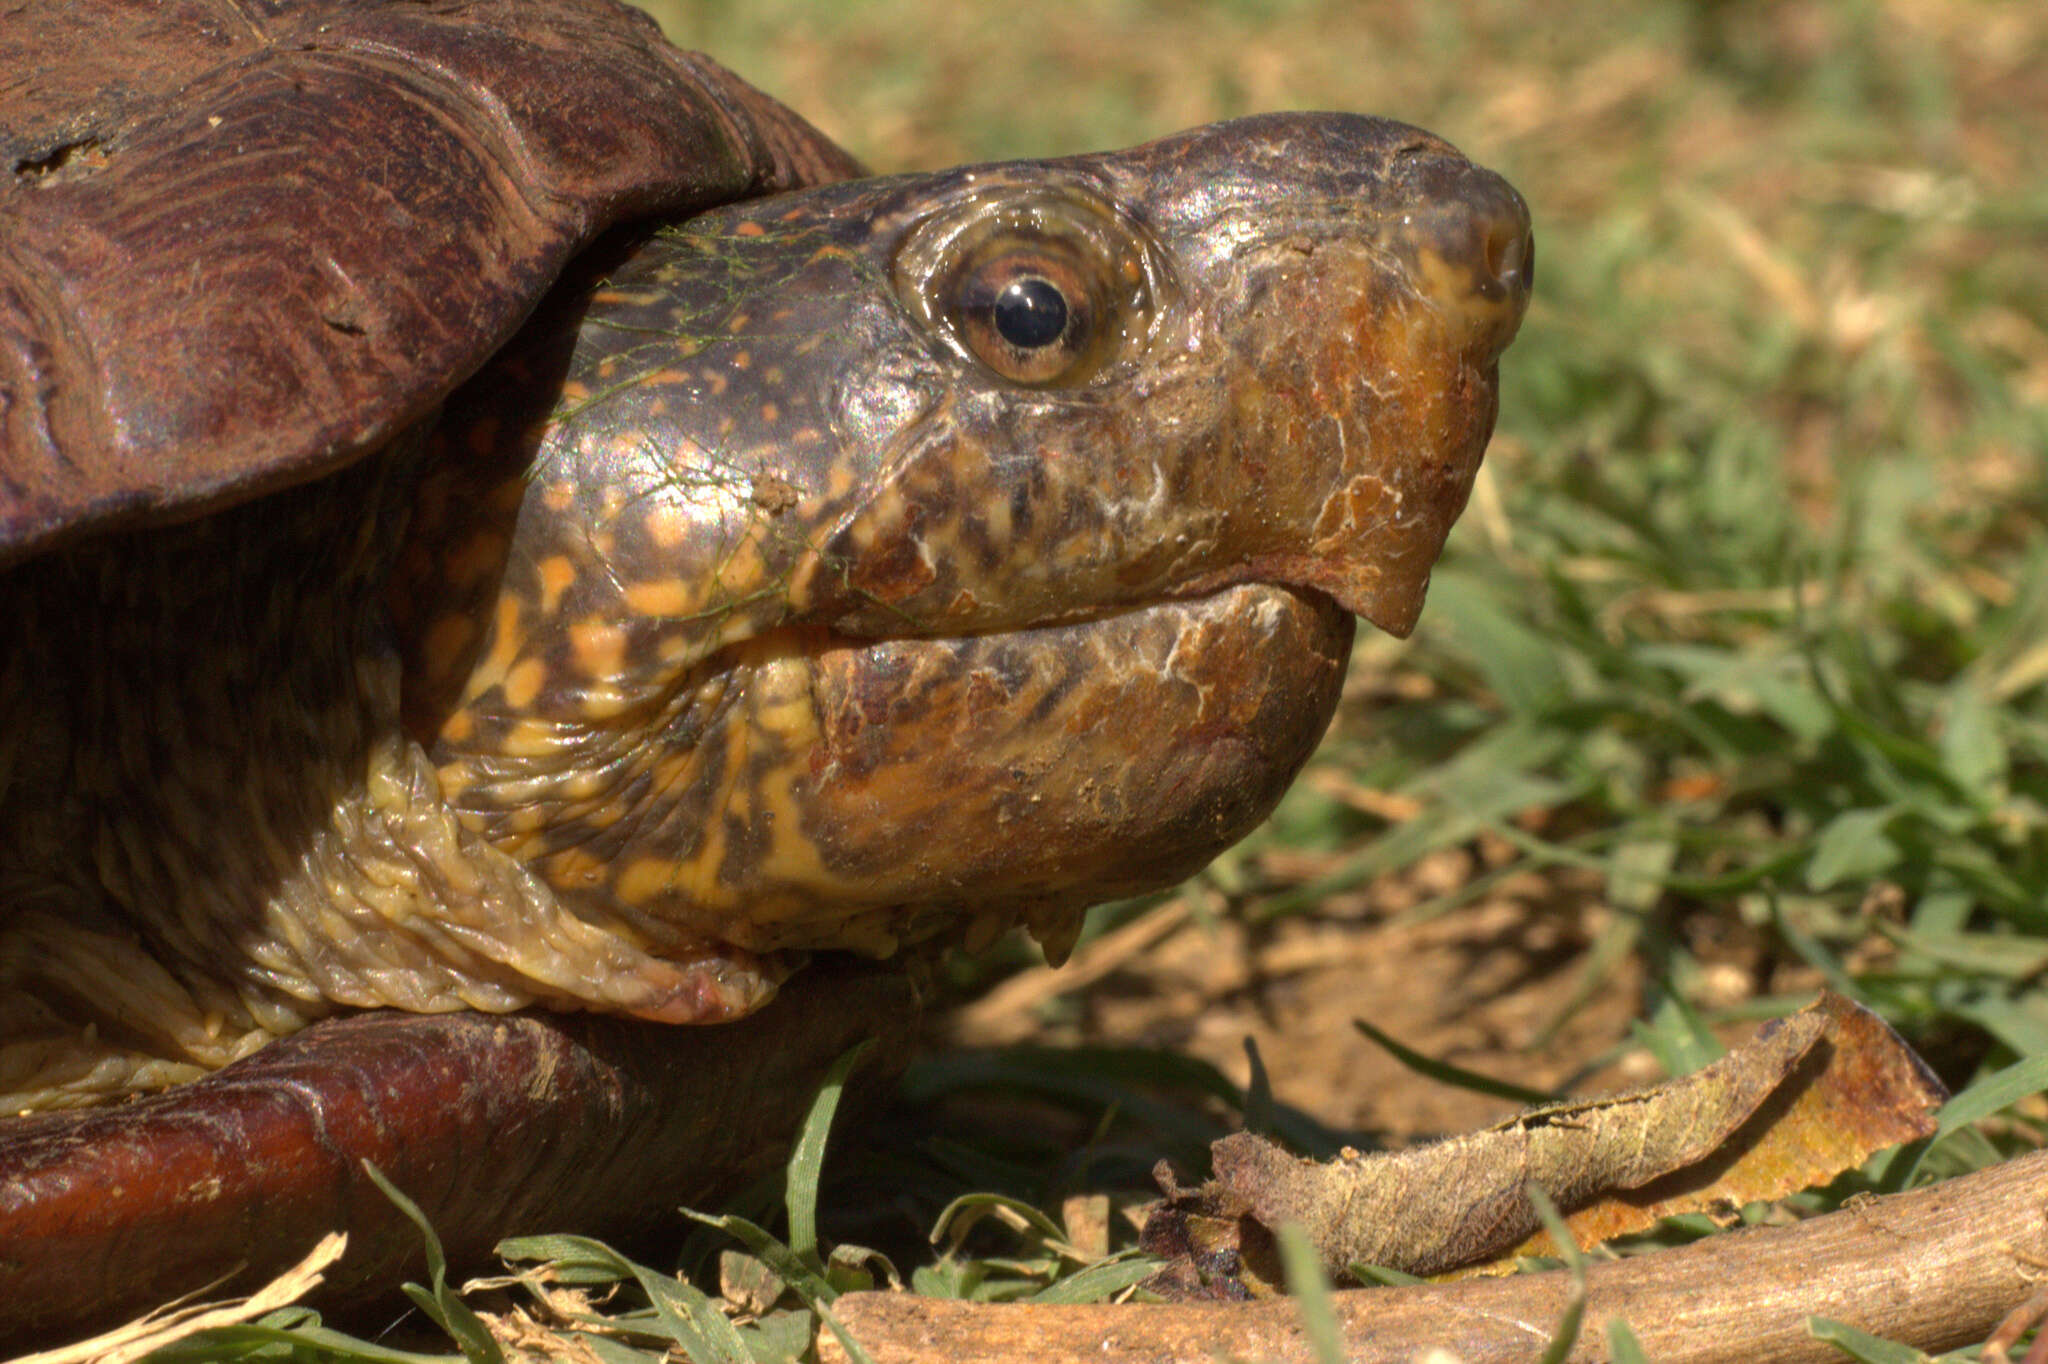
(514, 549)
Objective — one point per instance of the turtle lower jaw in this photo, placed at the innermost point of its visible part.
(915, 788)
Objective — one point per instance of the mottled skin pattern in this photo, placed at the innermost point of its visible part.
(776, 607)
(922, 643)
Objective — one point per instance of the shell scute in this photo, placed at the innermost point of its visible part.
(280, 241)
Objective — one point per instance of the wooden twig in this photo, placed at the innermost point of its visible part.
(1937, 1268)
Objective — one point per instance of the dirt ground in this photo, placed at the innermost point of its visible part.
(1476, 987)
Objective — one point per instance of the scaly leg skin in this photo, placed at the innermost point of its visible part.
(495, 1125)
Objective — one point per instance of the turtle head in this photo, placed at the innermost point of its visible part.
(958, 549)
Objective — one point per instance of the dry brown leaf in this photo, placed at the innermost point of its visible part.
(129, 1343)
(1809, 1097)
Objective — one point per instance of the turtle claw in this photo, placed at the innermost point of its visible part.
(1055, 931)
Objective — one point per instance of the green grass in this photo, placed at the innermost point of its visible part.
(1749, 618)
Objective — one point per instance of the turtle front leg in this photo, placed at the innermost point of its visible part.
(495, 1125)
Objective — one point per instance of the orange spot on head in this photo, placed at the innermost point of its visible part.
(599, 647)
(668, 526)
(556, 573)
(524, 682)
(506, 639)
(750, 230)
(665, 597)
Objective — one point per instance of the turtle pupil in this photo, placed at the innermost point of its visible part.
(1031, 313)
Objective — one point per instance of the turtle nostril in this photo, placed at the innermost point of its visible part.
(1486, 231)
(1476, 219)
(1467, 233)
(1509, 252)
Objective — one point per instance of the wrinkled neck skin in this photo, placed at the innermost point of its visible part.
(200, 716)
(217, 829)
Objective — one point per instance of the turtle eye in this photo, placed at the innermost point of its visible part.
(1030, 315)
(1046, 285)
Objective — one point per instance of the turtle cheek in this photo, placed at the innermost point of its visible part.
(959, 785)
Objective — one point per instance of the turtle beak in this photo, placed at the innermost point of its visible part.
(1419, 363)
